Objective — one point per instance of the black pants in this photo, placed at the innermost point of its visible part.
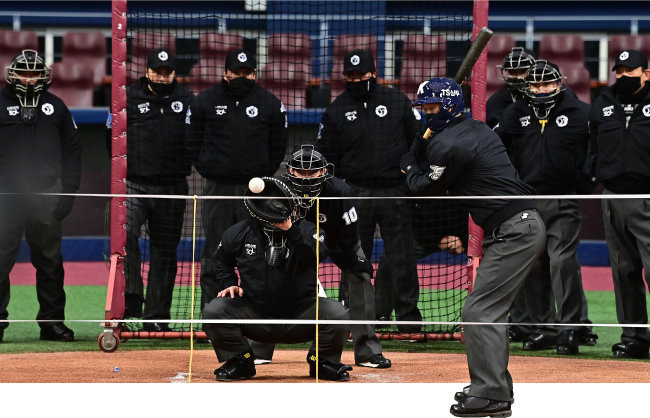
(395, 224)
(33, 216)
(164, 219)
(228, 339)
(217, 215)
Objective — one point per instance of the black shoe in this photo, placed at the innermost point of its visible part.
(156, 327)
(377, 361)
(240, 367)
(480, 407)
(516, 334)
(328, 370)
(538, 341)
(589, 338)
(630, 349)
(568, 342)
(57, 332)
(462, 396)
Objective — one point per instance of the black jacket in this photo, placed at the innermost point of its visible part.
(278, 292)
(34, 156)
(549, 159)
(233, 141)
(468, 159)
(365, 141)
(621, 150)
(156, 135)
(497, 105)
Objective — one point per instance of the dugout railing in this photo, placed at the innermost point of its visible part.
(457, 24)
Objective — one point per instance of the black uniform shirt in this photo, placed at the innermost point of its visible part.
(232, 141)
(278, 292)
(365, 141)
(34, 156)
(155, 134)
(549, 158)
(496, 105)
(621, 148)
(468, 159)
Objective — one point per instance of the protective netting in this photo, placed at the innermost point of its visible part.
(299, 48)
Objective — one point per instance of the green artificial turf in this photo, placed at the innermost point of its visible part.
(87, 303)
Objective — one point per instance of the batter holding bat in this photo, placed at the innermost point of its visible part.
(466, 158)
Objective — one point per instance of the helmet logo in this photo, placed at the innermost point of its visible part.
(47, 108)
(162, 56)
(624, 55)
(421, 87)
(251, 111)
(242, 57)
(177, 106)
(449, 93)
(381, 111)
(351, 115)
(355, 60)
(561, 121)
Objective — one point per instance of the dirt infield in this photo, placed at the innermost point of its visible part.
(165, 366)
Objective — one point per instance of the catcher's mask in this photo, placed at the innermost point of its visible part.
(514, 68)
(307, 170)
(542, 73)
(28, 76)
(278, 205)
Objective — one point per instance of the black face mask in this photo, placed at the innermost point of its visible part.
(361, 90)
(238, 87)
(626, 86)
(161, 89)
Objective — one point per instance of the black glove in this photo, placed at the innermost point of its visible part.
(64, 207)
(419, 146)
(361, 266)
(271, 210)
(408, 162)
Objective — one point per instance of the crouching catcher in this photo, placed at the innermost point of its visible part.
(275, 254)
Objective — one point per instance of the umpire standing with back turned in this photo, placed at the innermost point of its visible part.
(466, 158)
(363, 133)
(236, 130)
(158, 164)
(39, 153)
(620, 140)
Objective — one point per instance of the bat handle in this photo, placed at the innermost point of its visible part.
(427, 134)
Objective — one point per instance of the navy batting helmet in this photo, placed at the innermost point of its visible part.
(446, 92)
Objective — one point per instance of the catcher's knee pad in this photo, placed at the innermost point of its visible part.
(328, 370)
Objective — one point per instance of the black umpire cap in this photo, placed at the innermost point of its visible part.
(631, 58)
(359, 60)
(240, 59)
(161, 57)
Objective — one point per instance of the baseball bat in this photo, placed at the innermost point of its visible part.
(470, 59)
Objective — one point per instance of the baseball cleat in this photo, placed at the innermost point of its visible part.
(240, 367)
(480, 407)
(462, 396)
(328, 370)
(376, 361)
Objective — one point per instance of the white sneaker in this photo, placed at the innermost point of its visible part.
(259, 361)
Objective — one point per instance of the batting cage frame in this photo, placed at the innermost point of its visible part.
(115, 327)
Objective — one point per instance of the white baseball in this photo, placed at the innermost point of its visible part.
(256, 185)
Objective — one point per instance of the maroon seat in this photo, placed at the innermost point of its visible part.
(89, 48)
(563, 50)
(340, 47)
(73, 83)
(580, 82)
(11, 43)
(618, 43)
(206, 73)
(498, 48)
(217, 45)
(288, 68)
(423, 57)
(142, 43)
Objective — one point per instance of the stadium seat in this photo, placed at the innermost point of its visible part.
(579, 80)
(73, 82)
(564, 50)
(141, 44)
(11, 43)
(498, 48)
(288, 68)
(618, 43)
(423, 57)
(217, 45)
(340, 47)
(89, 48)
(206, 73)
